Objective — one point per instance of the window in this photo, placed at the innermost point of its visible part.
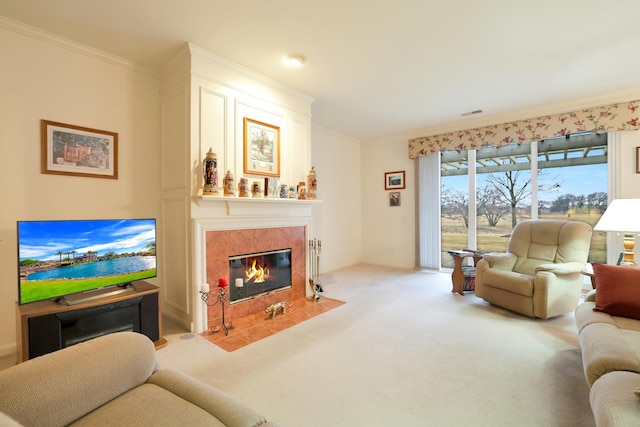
(484, 193)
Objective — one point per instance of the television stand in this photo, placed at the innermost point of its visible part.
(47, 326)
(79, 298)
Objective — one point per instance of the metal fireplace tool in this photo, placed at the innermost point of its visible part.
(315, 248)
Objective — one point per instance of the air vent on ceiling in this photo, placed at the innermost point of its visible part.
(471, 113)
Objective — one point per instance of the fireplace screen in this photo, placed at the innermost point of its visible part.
(258, 273)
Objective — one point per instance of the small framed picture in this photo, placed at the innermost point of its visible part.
(394, 180)
(80, 151)
(637, 159)
(394, 198)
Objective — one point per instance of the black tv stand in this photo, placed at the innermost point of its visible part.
(46, 326)
(79, 298)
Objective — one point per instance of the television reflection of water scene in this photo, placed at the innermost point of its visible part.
(85, 249)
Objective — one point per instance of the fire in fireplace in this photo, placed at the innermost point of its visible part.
(258, 273)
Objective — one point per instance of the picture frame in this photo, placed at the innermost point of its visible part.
(261, 148)
(77, 150)
(394, 199)
(637, 159)
(394, 180)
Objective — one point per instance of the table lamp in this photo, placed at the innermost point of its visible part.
(622, 216)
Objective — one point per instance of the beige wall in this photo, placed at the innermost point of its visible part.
(388, 233)
(46, 79)
(337, 221)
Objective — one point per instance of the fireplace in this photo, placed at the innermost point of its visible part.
(230, 226)
(256, 274)
(222, 245)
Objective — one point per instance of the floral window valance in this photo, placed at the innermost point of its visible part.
(608, 118)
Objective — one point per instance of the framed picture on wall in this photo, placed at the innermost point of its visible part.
(394, 198)
(394, 180)
(261, 148)
(80, 151)
(637, 159)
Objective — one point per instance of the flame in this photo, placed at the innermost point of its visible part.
(258, 275)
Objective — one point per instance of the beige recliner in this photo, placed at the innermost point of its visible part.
(540, 274)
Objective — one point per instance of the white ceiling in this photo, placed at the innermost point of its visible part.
(378, 67)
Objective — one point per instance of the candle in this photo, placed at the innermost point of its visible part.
(222, 282)
(204, 288)
(239, 282)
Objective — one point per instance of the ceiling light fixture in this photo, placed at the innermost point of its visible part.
(296, 59)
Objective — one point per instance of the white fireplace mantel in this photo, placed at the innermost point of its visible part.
(260, 207)
(234, 213)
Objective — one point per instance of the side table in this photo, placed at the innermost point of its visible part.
(588, 271)
(457, 276)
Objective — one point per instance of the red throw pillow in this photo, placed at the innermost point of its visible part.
(617, 290)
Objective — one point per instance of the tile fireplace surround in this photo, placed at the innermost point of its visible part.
(220, 245)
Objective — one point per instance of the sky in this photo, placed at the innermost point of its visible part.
(574, 180)
(42, 240)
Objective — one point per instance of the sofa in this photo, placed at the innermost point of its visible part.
(610, 346)
(113, 380)
(540, 275)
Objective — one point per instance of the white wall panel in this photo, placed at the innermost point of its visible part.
(299, 151)
(213, 131)
(174, 137)
(176, 267)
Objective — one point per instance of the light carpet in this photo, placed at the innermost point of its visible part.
(403, 351)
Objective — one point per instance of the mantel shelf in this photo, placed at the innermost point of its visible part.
(205, 200)
(256, 207)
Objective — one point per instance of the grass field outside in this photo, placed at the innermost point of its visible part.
(494, 239)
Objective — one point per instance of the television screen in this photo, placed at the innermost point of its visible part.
(58, 258)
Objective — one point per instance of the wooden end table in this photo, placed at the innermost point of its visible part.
(588, 271)
(457, 276)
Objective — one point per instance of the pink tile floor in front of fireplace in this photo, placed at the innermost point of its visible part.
(254, 327)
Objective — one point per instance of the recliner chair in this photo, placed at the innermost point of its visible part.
(540, 274)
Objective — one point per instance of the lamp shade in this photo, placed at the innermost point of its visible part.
(622, 215)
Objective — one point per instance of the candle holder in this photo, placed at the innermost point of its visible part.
(222, 298)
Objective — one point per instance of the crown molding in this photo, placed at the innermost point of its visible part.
(73, 46)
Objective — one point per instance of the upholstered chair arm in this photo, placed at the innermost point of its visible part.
(562, 268)
(500, 261)
(555, 293)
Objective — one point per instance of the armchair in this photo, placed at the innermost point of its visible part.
(540, 274)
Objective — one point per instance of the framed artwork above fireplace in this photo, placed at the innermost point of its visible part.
(261, 148)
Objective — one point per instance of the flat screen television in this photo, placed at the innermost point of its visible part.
(61, 258)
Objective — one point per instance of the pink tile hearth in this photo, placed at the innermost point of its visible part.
(250, 322)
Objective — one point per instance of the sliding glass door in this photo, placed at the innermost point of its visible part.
(485, 193)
